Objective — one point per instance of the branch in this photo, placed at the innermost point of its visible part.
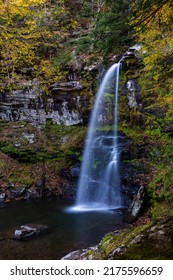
(150, 15)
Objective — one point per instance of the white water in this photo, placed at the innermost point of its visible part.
(99, 182)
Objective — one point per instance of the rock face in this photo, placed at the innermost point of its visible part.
(131, 63)
(135, 208)
(63, 104)
(75, 255)
(132, 91)
(29, 230)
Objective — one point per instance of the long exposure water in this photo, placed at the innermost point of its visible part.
(69, 230)
(98, 192)
(99, 182)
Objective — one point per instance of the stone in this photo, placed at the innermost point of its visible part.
(33, 193)
(67, 86)
(30, 137)
(135, 207)
(75, 171)
(132, 92)
(2, 197)
(29, 230)
(118, 251)
(29, 104)
(11, 185)
(132, 52)
(27, 70)
(160, 236)
(79, 254)
(75, 255)
(137, 239)
(16, 192)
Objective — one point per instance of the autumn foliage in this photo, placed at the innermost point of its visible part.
(32, 36)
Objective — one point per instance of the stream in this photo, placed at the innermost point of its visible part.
(70, 230)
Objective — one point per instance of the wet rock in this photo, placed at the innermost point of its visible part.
(33, 193)
(11, 185)
(2, 197)
(131, 56)
(118, 251)
(75, 255)
(16, 192)
(29, 230)
(68, 189)
(81, 254)
(75, 171)
(135, 208)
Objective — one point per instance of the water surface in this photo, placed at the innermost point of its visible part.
(70, 230)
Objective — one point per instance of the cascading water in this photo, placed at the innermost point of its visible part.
(99, 182)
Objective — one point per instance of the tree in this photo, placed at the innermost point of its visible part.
(33, 33)
(111, 32)
(153, 23)
(154, 29)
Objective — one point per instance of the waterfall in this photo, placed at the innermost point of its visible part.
(99, 182)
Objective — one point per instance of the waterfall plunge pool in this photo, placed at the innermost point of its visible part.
(70, 230)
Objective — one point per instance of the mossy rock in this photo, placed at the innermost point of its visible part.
(150, 241)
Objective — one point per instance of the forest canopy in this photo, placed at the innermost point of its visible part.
(39, 37)
(32, 35)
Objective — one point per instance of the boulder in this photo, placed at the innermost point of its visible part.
(16, 192)
(132, 92)
(75, 255)
(79, 254)
(30, 137)
(75, 171)
(34, 193)
(2, 197)
(136, 205)
(29, 230)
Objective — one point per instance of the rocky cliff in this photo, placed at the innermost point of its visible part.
(63, 105)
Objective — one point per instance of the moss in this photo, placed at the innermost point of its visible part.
(64, 136)
(2, 164)
(160, 191)
(29, 155)
(111, 242)
(106, 243)
(59, 147)
(3, 123)
(150, 241)
(156, 243)
(123, 238)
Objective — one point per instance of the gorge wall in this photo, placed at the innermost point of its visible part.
(68, 102)
(63, 105)
(37, 139)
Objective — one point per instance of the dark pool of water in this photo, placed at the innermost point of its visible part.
(69, 230)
